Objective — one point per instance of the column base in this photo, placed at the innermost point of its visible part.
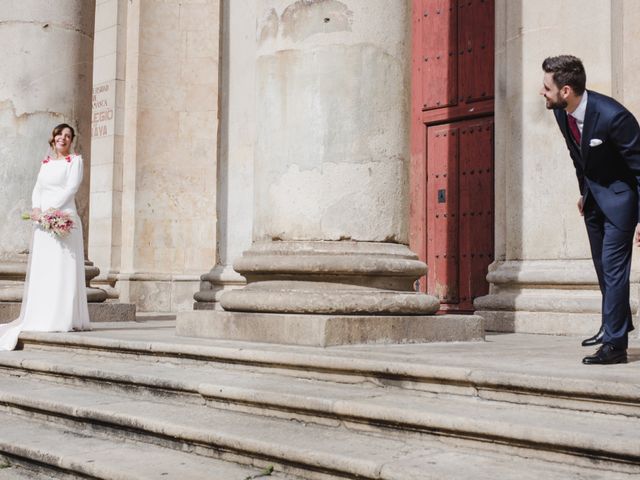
(555, 297)
(330, 278)
(93, 294)
(546, 323)
(329, 330)
(106, 282)
(221, 279)
(13, 274)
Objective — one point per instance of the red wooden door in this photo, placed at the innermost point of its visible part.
(452, 147)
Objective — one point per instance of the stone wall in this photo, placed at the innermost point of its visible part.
(155, 228)
(237, 139)
(543, 280)
(107, 127)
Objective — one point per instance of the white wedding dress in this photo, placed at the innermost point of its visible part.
(55, 297)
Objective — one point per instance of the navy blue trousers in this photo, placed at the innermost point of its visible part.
(611, 252)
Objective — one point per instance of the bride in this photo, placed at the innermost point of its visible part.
(55, 298)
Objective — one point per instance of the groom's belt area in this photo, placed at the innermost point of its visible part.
(617, 184)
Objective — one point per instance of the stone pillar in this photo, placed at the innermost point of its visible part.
(170, 145)
(543, 280)
(105, 239)
(235, 161)
(329, 262)
(46, 80)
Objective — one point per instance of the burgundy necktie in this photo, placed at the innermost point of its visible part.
(573, 126)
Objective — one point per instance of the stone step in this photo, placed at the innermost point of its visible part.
(543, 432)
(15, 472)
(118, 436)
(62, 453)
(367, 404)
(607, 394)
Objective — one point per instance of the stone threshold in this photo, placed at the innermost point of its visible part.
(328, 330)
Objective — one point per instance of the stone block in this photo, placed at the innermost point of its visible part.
(551, 323)
(182, 294)
(556, 297)
(106, 14)
(151, 295)
(98, 312)
(102, 151)
(102, 179)
(207, 306)
(328, 330)
(9, 311)
(199, 17)
(104, 68)
(106, 42)
(112, 312)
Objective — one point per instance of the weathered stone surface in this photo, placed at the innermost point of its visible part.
(156, 82)
(327, 330)
(330, 278)
(214, 283)
(94, 457)
(112, 312)
(332, 164)
(14, 273)
(522, 366)
(559, 297)
(330, 205)
(235, 161)
(307, 410)
(158, 292)
(10, 471)
(9, 311)
(541, 245)
(98, 312)
(38, 90)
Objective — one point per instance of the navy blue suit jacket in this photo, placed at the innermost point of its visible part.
(609, 171)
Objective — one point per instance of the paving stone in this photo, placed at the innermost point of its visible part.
(108, 459)
(18, 473)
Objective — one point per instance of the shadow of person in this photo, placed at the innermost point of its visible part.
(633, 355)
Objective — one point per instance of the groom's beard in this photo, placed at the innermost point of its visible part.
(556, 104)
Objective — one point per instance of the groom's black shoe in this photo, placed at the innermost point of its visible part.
(595, 340)
(606, 355)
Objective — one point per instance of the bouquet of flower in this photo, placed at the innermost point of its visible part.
(57, 222)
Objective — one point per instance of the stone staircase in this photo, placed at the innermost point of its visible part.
(140, 403)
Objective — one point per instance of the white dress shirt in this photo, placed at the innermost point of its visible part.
(580, 111)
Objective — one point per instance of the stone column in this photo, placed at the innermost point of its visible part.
(543, 280)
(329, 262)
(46, 80)
(235, 161)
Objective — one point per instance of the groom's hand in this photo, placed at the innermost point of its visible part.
(581, 205)
(637, 238)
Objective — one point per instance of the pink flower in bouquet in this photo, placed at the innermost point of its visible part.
(58, 222)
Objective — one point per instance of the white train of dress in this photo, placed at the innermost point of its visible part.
(55, 297)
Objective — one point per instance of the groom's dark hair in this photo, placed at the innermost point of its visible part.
(566, 70)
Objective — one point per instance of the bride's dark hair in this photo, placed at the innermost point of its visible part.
(57, 130)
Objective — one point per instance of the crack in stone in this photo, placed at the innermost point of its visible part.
(11, 105)
(47, 25)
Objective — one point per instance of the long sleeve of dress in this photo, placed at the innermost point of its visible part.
(72, 185)
(36, 195)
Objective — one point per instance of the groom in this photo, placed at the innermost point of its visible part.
(603, 138)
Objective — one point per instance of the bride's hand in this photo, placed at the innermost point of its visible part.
(35, 214)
